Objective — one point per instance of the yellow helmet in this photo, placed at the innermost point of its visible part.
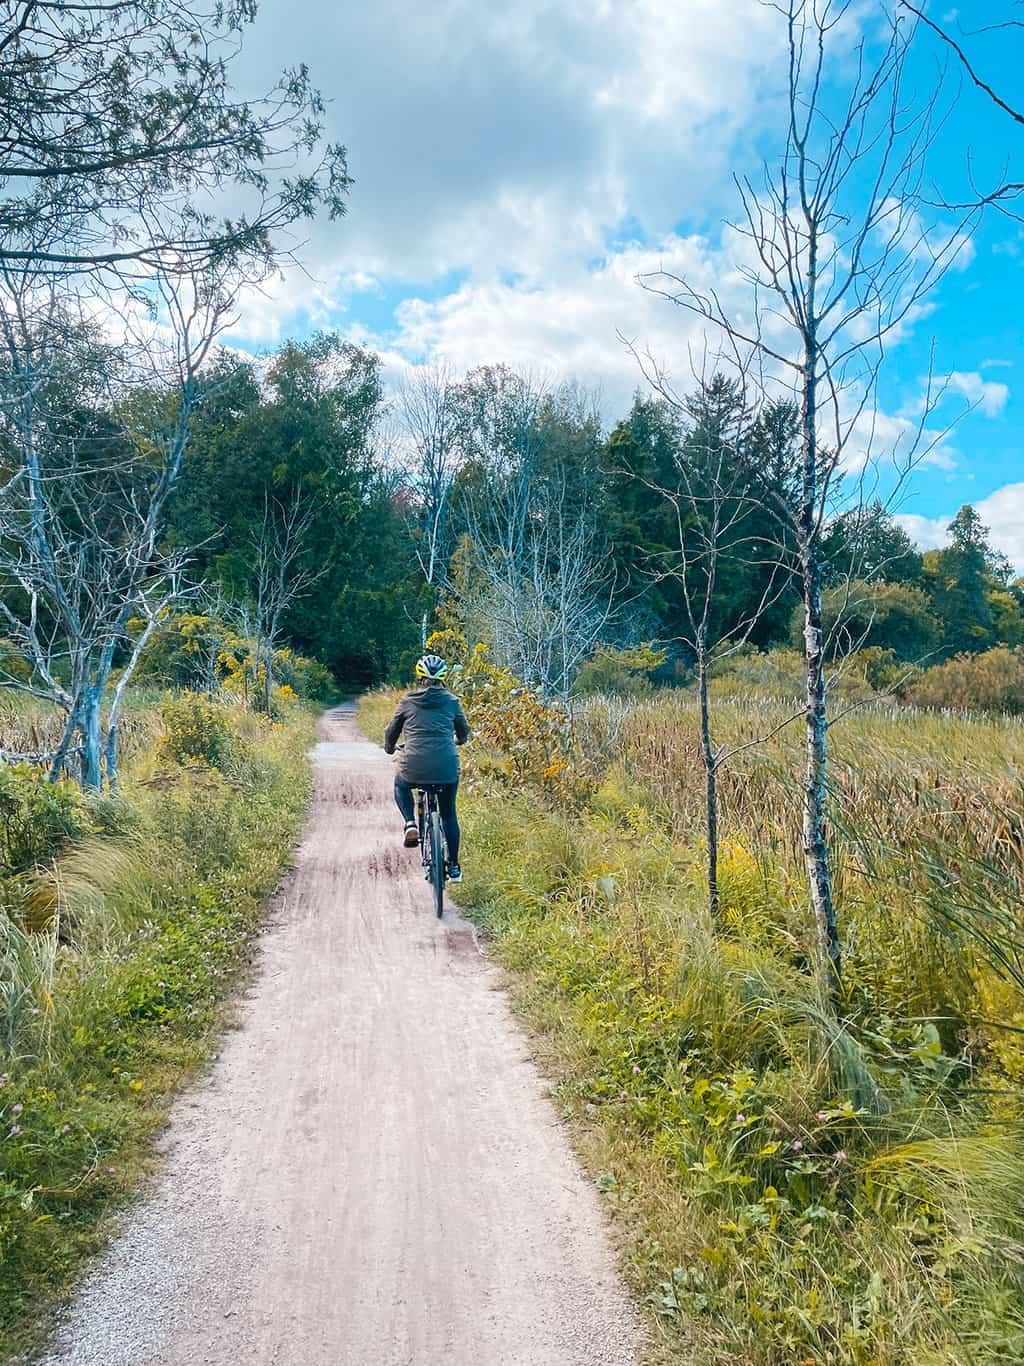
(431, 666)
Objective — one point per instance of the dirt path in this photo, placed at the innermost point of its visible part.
(371, 1176)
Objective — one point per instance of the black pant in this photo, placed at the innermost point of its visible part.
(406, 803)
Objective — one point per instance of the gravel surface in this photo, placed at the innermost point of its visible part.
(372, 1175)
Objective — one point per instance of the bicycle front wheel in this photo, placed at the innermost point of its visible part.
(437, 862)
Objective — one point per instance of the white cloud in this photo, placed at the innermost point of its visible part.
(575, 328)
(507, 147)
(514, 139)
(986, 395)
(927, 533)
(571, 327)
(1002, 512)
(265, 312)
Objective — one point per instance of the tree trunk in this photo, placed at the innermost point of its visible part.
(92, 773)
(815, 846)
(60, 756)
(268, 678)
(711, 776)
(110, 758)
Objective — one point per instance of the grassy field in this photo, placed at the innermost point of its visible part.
(791, 1185)
(124, 925)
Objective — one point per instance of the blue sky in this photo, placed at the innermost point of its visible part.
(516, 167)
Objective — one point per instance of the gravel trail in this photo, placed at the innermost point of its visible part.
(371, 1175)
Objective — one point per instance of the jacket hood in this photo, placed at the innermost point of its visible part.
(429, 698)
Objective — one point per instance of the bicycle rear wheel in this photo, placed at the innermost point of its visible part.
(437, 862)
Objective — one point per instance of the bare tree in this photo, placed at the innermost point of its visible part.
(280, 579)
(720, 534)
(429, 408)
(541, 576)
(93, 456)
(839, 258)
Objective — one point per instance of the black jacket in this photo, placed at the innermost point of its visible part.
(433, 722)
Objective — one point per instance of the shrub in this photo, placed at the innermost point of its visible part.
(192, 650)
(893, 616)
(528, 740)
(36, 817)
(304, 677)
(880, 670)
(779, 673)
(450, 644)
(622, 673)
(992, 682)
(198, 731)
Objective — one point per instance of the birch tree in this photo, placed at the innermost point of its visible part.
(280, 578)
(541, 572)
(719, 533)
(428, 402)
(837, 257)
(92, 455)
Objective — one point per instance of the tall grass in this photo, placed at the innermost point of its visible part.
(117, 950)
(795, 1186)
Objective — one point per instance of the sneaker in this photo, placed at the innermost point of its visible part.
(412, 835)
(454, 873)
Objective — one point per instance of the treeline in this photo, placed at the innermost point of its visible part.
(290, 523)
(503, 507)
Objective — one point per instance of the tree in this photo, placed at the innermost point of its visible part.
(867, 543)
(1005, 192)
(840, 256)
(718, 538)
(307, 427)
(125, 149)
(534, 567)
(863, 614)
(639, 458)
(959, 579)
(429, 408)
(279, 579)
(91, 461)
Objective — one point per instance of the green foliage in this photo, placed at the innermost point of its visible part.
(959, 580)
(880, 615)
(13, 664)
(306, 428)
(36, 817)
(198, 731)
(450, 644)
(992, 681)
(867, 544)
(1007, 605)
(159, 92)
(775, 673)
(304, 677)
(621, 672)
(101, 1023)
(796, 1184)
(197, 651)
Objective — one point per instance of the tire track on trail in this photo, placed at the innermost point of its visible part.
(371, 1175)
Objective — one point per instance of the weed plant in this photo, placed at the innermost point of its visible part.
(795, 1185)
(122, 928)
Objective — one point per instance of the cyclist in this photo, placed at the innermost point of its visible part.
(433, 722)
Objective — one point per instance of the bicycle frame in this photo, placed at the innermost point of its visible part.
(432, 842)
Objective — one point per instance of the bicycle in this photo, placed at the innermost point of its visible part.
(432, 842)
